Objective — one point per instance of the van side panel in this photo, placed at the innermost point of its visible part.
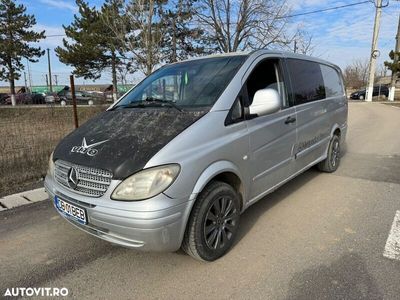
(271, 150)
(320, 105)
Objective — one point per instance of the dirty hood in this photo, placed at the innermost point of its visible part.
(123, 141)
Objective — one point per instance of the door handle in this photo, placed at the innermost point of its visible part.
(290, 119)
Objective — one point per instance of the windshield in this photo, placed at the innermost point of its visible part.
(196, 83)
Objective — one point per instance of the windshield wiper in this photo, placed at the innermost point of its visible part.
(132, 104)
(168, 102)
(149, 100)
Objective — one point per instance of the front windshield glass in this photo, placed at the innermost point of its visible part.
(194, 83)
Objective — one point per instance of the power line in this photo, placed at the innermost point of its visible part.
(323, 10)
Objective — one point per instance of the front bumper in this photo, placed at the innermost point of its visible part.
(156, 224)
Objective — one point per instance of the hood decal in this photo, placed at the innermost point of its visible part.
(87, 149)
(123, 141)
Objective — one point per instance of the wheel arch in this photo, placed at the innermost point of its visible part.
(224, 171)
(336, 130)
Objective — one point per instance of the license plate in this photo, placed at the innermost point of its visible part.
(70, 210)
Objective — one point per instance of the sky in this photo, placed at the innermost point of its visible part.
(339, 36)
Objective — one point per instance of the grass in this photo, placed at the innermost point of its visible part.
(28, 135)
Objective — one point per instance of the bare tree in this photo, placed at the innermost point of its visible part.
(381, 70)
(248, 24)
(141, 29)
(304, 43)
(158, 31)
(356, 74)
(123, 70)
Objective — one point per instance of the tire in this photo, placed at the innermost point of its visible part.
(332, 161)
(210, 235)
(361, 97)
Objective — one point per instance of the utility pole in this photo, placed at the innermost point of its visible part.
(72, 83)
(56, 79)
(29, 75)
(295, 46)
(47, 81)
(48, 59)
(374, 51)
(392, 89)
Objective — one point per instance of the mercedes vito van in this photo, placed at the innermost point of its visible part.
(178, 158)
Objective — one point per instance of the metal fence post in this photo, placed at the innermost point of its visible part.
(71, 79)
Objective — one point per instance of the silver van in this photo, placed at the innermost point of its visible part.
(178, 158)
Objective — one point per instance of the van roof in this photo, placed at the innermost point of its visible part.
(256, 53)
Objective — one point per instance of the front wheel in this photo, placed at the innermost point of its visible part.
(332, 161)
(213, 223)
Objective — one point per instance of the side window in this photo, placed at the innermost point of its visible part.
(332, 82)
(266, 75)
(307, 82)
(236, 114)
(237, 110)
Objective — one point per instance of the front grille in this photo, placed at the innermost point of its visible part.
(91, 181)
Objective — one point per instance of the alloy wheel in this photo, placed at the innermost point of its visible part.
(335, 153)
(220, 223)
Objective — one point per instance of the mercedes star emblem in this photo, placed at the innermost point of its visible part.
(73, 178)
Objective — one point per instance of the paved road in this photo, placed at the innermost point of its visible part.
(321, 236)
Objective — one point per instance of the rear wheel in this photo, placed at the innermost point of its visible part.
(213, 223)
(332, 161)
(361, 97)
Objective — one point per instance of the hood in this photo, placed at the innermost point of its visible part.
(123, 141)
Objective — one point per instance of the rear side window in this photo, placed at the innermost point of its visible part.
(307, 81)
(332, 82)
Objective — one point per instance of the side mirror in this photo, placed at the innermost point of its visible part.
(266, 101)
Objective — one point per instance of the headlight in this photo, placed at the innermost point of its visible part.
(147, 183)
(50, 169)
